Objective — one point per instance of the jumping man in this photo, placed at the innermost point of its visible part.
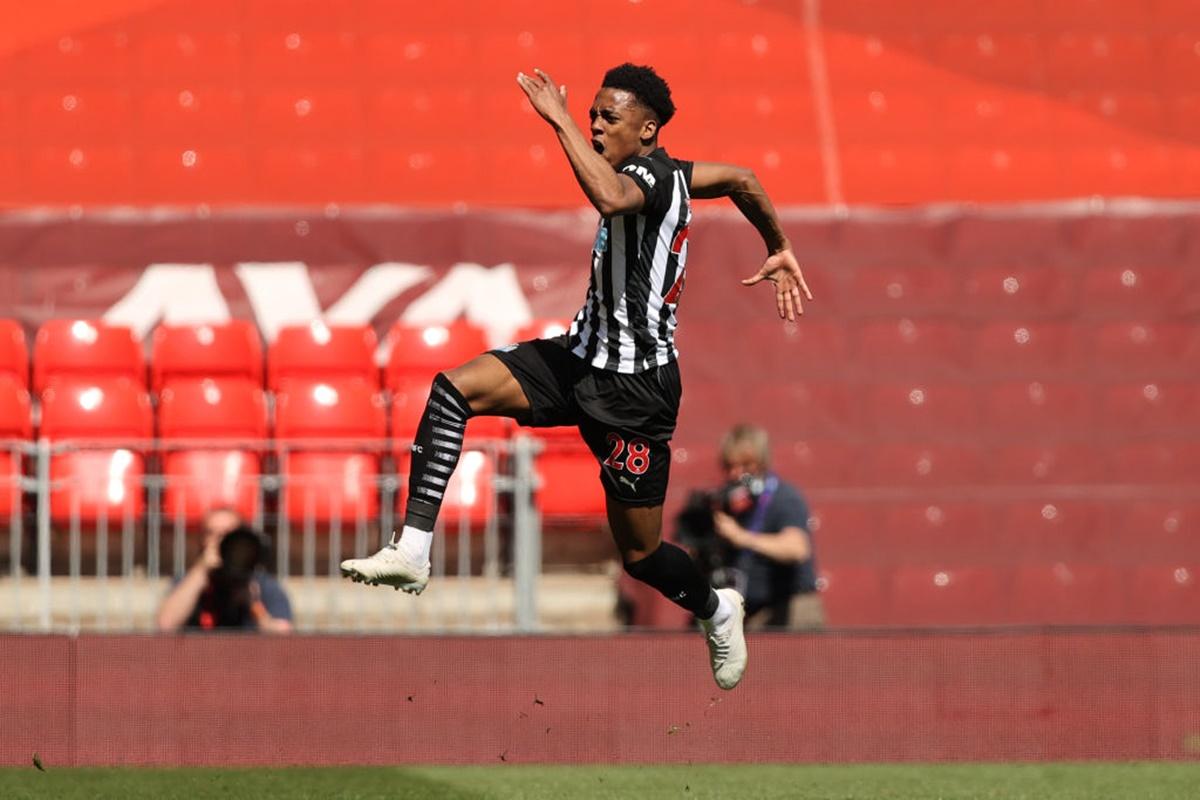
(615, 374)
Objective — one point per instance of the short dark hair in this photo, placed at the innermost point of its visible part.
(644, 83)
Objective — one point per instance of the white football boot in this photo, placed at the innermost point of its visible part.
(727, 642)
(391, 566)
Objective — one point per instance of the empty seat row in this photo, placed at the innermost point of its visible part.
(329, 435)
(1005, 532)
(233, 349)
(1033, 594)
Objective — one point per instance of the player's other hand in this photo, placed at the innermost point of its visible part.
(782, 270)
(546, 97)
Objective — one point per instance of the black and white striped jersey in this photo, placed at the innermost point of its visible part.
(627, 323)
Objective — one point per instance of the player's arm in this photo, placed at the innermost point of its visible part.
(611, 193)
(710, 180)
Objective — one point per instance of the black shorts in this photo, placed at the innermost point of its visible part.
(626, 420)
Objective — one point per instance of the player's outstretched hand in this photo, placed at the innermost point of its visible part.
(782, 270)
(547, 98)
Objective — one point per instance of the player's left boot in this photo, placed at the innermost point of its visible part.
(727, 642)
(391, 566)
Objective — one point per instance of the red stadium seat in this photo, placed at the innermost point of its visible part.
(1183, 114)
(950, 596)
(992, 117)
(1146, 347)
(854, 595)
(316, 352)
(1156, 531)
(916, 408)
(1125, 289)
(100, 481)
(16, 425)
(1150, 407)
(994, 56)
(1017, 291)
(1168, 462)
(824, 408)
(905, 344)
(227, 415)
(81, 174)
(14, 353)
(227, 350)
(412, 57)
(192, 117)
(922, 464)
(198, 173)
(904, 290)
(821, 462)
(877, 119)
(85, 349)
(1033, 349)
(312, 172)
(421, 115)
(1074, 61)
(1051, 530)
(198, 56)
(328, 479)
(67, 117)
(306, 116)
(1046, 463)
(417, 353)
(99, 408)
(1026, 409)
(822, 347)
(1166, 595)
(893, 175)
(569, 477)
(1070, 594)
(849, 533)
(291, 55)
(935, 532)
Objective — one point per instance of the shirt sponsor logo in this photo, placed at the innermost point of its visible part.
(642, 173)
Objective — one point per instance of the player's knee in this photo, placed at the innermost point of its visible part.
(446, 382)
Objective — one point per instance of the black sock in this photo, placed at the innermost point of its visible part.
(671, 571)
(435, 452)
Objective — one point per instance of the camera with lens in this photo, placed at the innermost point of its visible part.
(695, 528)
(243, 550)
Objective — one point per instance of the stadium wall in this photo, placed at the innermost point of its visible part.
(1021, 695)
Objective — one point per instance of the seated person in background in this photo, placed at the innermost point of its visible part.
(227, 587)
(765, 521)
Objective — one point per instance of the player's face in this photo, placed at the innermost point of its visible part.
(620, 125)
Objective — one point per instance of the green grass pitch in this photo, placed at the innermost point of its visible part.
(742, 782)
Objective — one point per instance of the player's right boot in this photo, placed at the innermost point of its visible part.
(391, 566)
(727, 642)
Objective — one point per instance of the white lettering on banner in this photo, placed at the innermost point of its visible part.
(178, 294)
(374, 289)
(280, 292)
(644, 173)
(490, 298)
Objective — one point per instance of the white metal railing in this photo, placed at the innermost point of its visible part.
(71, 568)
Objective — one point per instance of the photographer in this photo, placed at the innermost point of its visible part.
(753, 534)
(227, 587)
